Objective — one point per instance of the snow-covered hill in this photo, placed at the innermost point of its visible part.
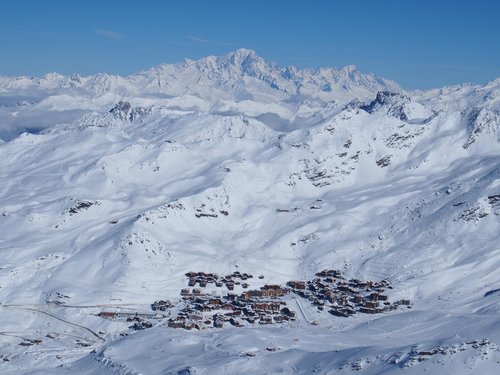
(124, 184)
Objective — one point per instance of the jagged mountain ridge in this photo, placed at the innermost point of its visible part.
(223, 72)
(239, 81)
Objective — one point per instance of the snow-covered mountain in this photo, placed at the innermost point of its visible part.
(122, 185)
(237, 82)
(241, 72)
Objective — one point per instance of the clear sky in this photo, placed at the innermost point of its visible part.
(418, 43)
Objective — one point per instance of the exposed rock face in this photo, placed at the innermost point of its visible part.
(121, 110)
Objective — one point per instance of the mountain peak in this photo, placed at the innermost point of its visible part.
(239, 74)
(242, 58)
(242, 53)
(349, 69)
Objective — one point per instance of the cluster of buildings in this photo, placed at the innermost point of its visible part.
(259, 306)
(345, 297)
(199, 309)
(204, 279)
(161, 305)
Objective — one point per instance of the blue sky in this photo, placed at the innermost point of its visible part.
(419, 44)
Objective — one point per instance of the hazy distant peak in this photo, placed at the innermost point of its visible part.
(239, 56)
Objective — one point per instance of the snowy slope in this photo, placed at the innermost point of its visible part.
(230, 164)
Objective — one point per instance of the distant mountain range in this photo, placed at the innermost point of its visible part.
(236, 75)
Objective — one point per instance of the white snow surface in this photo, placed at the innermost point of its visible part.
(325, 168)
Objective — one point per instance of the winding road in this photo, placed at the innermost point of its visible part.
(93, 333)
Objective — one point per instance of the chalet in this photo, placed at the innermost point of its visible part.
(176, 324)
(376, 296)
(348, 289)
(339, 312)
(273, 287)
(268, 293)
(287, 312)
(249, 312)
(331, 295)
(161, 305)
(278, 319)
(214, 301)
(304, 293)
(342, 300)
(107, 315)
(367, 310)
(235, 322)
(326, 273)
(202, 308)
(239, 303)
(372, 304)
(272, 306)
(297, 284)
(342, 311)
(272, 291)
(355, 282)
(252, 293)
(199, 326)
(194, 316)
(313, 287)
(260, 306)
(358, 298)
(266, 320)
(321, 285)
(141, 325)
